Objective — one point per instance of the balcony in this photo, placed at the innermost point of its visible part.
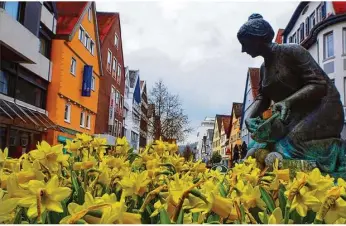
(42, 68)
(17, 43)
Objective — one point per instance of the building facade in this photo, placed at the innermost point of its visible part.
(251, 91)
(203, 144)
(73, 91)
(109, 118)
(143, 127)
(320, 27)
(235, 140)
(133, 114)
(26, 33)
(224, 140)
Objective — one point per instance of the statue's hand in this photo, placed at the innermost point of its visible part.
(252, 124)
(284, 108)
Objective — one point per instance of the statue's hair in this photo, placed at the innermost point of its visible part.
(256, 27)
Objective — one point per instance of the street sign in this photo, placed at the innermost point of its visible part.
(220, 167)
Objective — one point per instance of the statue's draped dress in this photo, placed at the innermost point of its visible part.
(313, 127)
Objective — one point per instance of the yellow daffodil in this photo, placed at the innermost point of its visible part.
(305, 200)
(45, 196)
(333, 207)
(3, 156)
(99, 144)
(50, 156)
(122, 146)
(135, 183)
(73, 146)
(159, 146)
(116, 214)
(251, 197)
(7, 210)
(84, 138)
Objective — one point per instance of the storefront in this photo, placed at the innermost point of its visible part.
(21, 127)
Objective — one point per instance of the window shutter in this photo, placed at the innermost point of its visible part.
(87, 76)
(32, 17)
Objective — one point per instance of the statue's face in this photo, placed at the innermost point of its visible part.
(251, 47)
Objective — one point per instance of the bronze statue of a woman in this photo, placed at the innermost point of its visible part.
(310, 113)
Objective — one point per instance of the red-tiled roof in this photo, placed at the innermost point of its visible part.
(222, 119)
(68, 15)
(254, 77)
(339, 7)
(236, 109)
(105, 21)
(278, 38)
(226, 120)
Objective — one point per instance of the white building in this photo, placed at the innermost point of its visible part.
(320, 27)
(204, 147)
(132, 109)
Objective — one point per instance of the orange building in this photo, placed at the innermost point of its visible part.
(73, 91)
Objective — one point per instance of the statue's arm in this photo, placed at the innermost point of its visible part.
(314, 83)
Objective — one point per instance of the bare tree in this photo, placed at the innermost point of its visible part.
(168, 118)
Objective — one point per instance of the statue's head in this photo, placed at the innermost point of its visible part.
(255, 35)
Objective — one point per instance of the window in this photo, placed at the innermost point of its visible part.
(302, 33)
(328, 45)
(294, 38)
(93, 83)
(44, 46)
(88, 121)
(32, 94)
(344, 40)
(92, 47)
(307, 26)
(117, 97)
(119, 73)
(67, 115)
(89, 14)
(82, 119)
(298, 36)
(290, 41)
(321, 12)
(116, 40)
(86, 41)
(114, 67)
(3, 82)
(73, 66)
(312, 20)
(12, 8)
(115, 128)
(109, 60)
(81, 34)
(121, 102)
(119, 129)
(113, 89)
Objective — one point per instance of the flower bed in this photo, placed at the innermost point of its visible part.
(156, 185)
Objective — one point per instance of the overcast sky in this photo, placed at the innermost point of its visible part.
(192, 46)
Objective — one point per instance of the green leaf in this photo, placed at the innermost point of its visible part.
(309, 218)
(180, 219)
(18, 217)
(213, 218)
(195, 217)
(267, 199)
(297, 219)
(282, 199)
(214, 222)
(95, 213)
(164, 218)
(222, 190)
(242, 213)
(263, 216)
(81, 221)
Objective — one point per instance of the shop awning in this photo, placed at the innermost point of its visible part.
(27, 116)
